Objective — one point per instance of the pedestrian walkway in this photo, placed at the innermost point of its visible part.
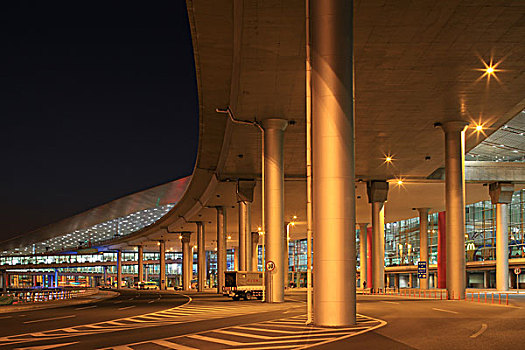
(284, 333)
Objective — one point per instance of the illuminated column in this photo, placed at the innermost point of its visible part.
(245, 198)
(119, 269)
(5, 281)
(455, 205)
(333, 162)
(244, 214)
(286, 259)
(362, 253)
(221, 247)
(377, 195)
(162, 262)
(140, 261)
(255, 250)
(274, 206)
(105, 276)
(423, 244)
(236, 258)
(187, 260)
(501, 196)
(55, 279)
(201, 257)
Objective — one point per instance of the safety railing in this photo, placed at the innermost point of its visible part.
(443, 294)
(19, 296)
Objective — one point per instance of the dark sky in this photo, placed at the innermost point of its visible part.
(97, 100)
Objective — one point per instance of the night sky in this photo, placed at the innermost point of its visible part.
(98, 100)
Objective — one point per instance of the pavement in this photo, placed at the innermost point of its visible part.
(179, 320)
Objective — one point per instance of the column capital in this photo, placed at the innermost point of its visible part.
(244, 190)
(452, 125)
(185, 237)
(377, 191)
(501, 192)
(274, 123)
(423, 210)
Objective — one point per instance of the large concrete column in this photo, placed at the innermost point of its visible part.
(363, 253)
(221, 247)
(119, 269)
(187, 261)
(442, 251)
(501, 196)
(140, 261)
(455, 206)
(255, 250)
(423, 244)
(201, 257)
(274, 207)
(333, 161)
(377, 195)
(162, 263)
(286, 260)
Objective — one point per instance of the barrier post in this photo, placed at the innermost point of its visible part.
(485, 297)
(492, 298)
(507, 301)
(478, 296)
(500, 298)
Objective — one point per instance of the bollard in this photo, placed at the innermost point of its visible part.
(507, 302)
(492, 298)
(500, 298)
(472, 296)
(478, 297)
(485, 297)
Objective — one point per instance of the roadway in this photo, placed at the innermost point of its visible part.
(163, 320)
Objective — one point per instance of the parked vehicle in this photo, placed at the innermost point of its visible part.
(243, 284)
(147, 285)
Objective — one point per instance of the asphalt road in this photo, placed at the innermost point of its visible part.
(211, 321)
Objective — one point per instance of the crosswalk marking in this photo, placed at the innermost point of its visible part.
(184, 313)
(264, 335)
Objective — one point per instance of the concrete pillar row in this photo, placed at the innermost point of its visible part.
(119, 269)
(221, 247)
(244, 193)
(501, 195)
(363, 261)
(455, 205)
(201, 256)
(162, 263)
(423, 245)
(140, 261)
(377, 195)
(187, 260)
(274, 207)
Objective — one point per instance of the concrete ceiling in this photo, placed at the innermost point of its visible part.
(416, 63)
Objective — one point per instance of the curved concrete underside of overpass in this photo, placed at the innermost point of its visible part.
(415, 64)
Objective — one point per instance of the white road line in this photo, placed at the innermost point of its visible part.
(1, 318)
(151, 301)
(449, 311)
(127, 307)
(85, 307)
(389, 302)
(215, 340)
(480, 332)
(50, 319)
(171, 345)
(46, 347)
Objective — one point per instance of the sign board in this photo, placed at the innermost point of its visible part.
(422, 269)
(270, 266)
(517, 270)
